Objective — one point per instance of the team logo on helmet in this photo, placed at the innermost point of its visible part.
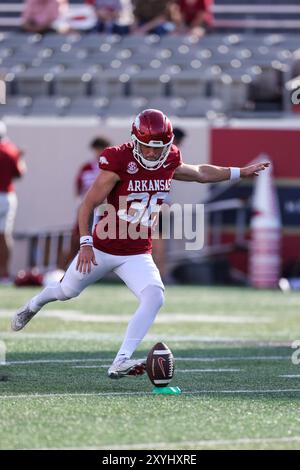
(132, 168)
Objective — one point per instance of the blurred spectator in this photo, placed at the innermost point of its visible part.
(109, 14)
(38, 15)
(90, 170)
(193, 16)
(291, 284)
(84, 180)
(179, 136)
(11, 167)
(151, 17)
(78, 17)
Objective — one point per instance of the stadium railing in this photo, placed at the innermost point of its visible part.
(45, 248)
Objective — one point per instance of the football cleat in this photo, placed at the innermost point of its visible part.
(21, 318)
(126, 367)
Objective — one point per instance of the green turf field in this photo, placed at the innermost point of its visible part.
(232, 346)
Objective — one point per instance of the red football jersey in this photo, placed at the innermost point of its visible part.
(86, 176)
(9, 165)
(191, 9)
(125, 229)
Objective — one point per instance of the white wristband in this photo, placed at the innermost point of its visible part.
(86, 240)
(235, 173)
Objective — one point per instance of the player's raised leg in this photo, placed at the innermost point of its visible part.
(72, 284)
(142, 276)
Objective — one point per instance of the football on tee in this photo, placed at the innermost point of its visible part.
(160, 365)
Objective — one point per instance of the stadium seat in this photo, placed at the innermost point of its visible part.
(208, 107)
(143, 56)
(172, 106)
(49, 106)
(135, 42)
(15, 40)
(102, 59)
(149, 83)
(88, 106)
(34, 82)
(96, 41)
(151, 66)
(126, 106)
(188, 83)
(16, 106)
(72, 83)
(56, 41)
(110, 83)
(232, 89)
(66, 57)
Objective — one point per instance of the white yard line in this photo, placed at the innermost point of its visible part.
(72, 395)
(234, 358)
(185, 359)
(104, 394)
(194, 317)
(110, 337)
(55, 361)
(195, 444)
(285, 390)
(290, 376)
(184, 371)
(62, 335)
(177, 359)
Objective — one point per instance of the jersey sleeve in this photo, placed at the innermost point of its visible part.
(178, 159)
(110, 160)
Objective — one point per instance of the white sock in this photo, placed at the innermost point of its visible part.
(49, 294)
(151, 300)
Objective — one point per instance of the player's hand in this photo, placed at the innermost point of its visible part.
(253, 170)
(85, 259)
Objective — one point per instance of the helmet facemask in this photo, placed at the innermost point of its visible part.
(151, 164)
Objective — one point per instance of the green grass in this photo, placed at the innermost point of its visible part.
(69, 405)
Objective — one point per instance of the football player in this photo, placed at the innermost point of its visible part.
(135, 178)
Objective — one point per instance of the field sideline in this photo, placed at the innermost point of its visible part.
(233, 363)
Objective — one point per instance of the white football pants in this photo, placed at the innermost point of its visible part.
(137, 271)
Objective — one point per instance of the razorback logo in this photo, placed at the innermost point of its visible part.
(103, 160)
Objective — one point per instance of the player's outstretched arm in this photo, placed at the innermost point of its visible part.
(95, 196)
(215, 174)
